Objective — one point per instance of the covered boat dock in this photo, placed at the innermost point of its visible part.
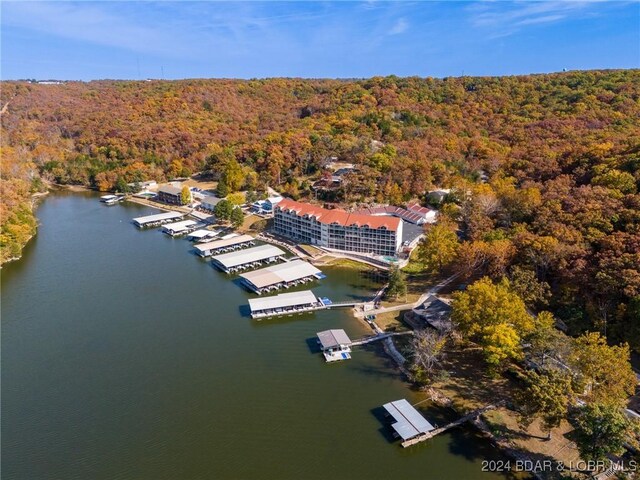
(335, 345)
(224, 245)
(284, 304)
(275, 277)
(157, 219)
(202, 235)
(181, 228)
(408, 421)
(246, 259)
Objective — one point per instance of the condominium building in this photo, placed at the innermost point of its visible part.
(338, 229)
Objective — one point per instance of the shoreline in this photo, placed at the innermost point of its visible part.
(334, 261)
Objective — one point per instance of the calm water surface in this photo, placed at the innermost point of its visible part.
(126, 357)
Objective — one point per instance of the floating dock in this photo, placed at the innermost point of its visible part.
(181, 228)
(157, 219)
(284, 304)
(223, 245)
(409, 423)
(335, 345)
(202, 235)
(111, 199)
(275, 277)
(247, 259)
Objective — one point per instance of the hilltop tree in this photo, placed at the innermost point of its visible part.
(494, 317)
(237, 217)
(547, 396)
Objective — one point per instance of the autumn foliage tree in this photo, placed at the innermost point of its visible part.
(491, 315)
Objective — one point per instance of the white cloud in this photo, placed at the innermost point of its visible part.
(399, 27)
(506, 18)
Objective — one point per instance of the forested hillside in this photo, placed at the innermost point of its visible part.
(547, 167)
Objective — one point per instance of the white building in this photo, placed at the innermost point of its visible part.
(338, 229)
(209, 202)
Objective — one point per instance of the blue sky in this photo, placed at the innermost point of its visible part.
(136, 40)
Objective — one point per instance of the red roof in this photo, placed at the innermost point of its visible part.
(416, 207)
(341, 217)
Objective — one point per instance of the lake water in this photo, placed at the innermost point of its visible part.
(126, 357)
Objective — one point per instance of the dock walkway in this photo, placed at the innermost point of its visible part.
(438, 431)
(375, 338)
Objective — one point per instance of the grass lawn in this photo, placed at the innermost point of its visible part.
(391, 321)
(347, 263)
(311, 250)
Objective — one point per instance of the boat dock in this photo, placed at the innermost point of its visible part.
(409, 424)
(111, 199)
(284, 304)
(284, 275)
(229, 244)
(247, 259)
(436, 431)
(335, 345)
(157, 219)
(181, 228)
(202, 235)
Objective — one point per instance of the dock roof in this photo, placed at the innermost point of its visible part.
(158, 217)
(285, 272)
(409, 422)
(180, 226)
(242, 257)
(333, 338)
(282, 300)
(203, 233)
(224, 242)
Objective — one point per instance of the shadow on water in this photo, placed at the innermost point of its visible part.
(277, 320)
(313, 345)
(377, 372)
(244, 310)
(466, 442)
(237, 281)
(385, 421)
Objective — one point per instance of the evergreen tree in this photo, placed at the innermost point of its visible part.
(223, 210)
(237, 217)
(397, 283)
(222, 188)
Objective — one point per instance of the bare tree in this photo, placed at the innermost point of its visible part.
(428, 351)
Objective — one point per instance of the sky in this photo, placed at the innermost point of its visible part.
(206, 39)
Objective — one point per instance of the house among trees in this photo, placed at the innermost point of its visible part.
(172, 194)
(433, 312)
